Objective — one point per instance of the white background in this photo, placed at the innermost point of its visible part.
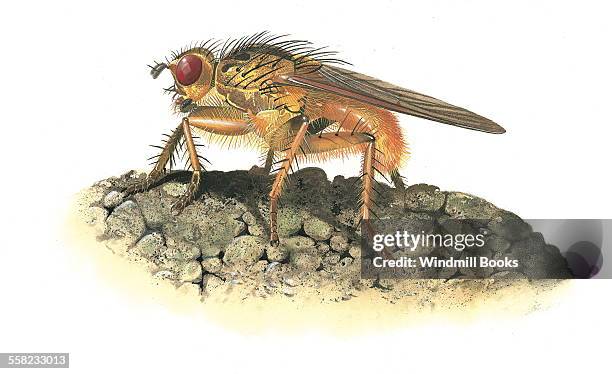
(78, 105)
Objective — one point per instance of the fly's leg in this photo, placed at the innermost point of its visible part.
(400, 187)
(196, 176)
(269, 161)
(397, 179)
(353, 142)
(327, 142)
(159, 170)
(290, 153)
(367, 192)
(265, 170)
(221, 121)
(216, 120)
(368, 180)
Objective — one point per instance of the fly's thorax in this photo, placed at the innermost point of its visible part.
(247, 101)
(246, 78)
(252, 70)
(273, 126)
(213, 98)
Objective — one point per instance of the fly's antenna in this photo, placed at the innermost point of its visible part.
(157, 68)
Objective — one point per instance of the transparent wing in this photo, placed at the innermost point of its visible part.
(372, 91)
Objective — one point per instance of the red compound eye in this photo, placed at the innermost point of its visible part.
(188, 69)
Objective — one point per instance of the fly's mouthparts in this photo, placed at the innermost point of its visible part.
(186, 104)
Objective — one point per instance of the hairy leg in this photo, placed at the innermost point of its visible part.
(216, 120)
(159, 169)
(196, 176)
(280, 179)
(223, 121)
(368, 181)
(400, 187)
(265, 170)
(269, 161)
(335, 144)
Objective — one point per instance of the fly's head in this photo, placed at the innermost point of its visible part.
(192, 71)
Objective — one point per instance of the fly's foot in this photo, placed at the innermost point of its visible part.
(179, 205)
(274, 240)
(189, 195)
(139, 186)
(144, 184)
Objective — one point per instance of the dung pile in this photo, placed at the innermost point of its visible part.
(218, 246)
